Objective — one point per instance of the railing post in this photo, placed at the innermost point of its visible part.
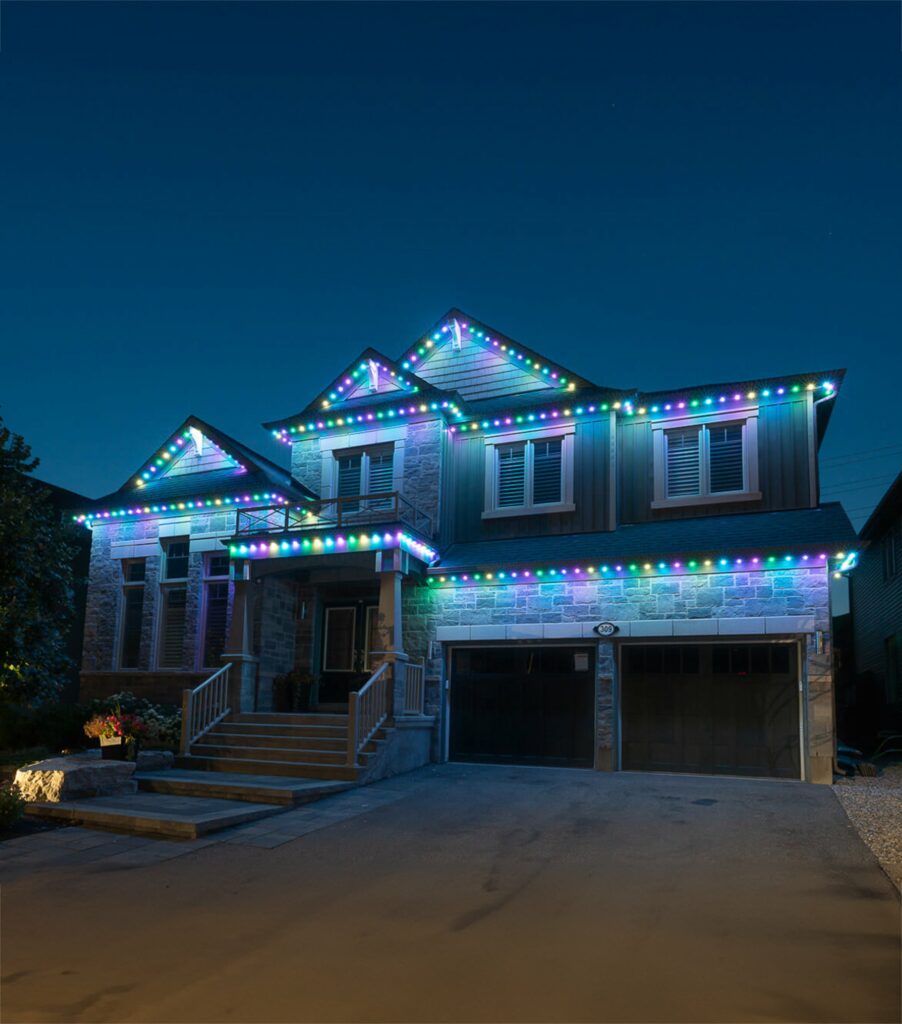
(186, 722)
(352, 730)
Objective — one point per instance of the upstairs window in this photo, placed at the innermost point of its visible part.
(368, 471)
(528, 475)
(706, 462)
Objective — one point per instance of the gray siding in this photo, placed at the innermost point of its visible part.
(465, 490)
(784, 466)
(876, 610)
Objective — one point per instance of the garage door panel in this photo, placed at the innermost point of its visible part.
(522, 705)
(724, 709)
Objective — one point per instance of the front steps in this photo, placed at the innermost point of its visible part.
(302, 746)
(259, 789)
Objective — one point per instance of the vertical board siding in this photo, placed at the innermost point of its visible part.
(783, 467)
(876, 609)
(465, 488)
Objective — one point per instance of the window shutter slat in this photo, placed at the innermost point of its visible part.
(725, 458)
(172, 640)
(683, 476)
(511, 476)
(133, 614)
(547, 464)
(381, 477)
(215, 623)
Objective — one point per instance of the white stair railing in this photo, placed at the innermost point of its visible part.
(204, 706)
(368, 708)
(414, 688)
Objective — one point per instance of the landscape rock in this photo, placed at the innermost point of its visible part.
(74, 778)
(155, 760)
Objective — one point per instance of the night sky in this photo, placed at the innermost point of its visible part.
(212, 209)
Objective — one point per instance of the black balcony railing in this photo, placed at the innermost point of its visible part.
(341, 513)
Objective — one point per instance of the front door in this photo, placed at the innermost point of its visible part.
(347, 643)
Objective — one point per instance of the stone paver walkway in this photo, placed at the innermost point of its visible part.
(75, 846)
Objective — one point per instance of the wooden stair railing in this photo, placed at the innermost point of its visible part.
(414, 688)
(204, 706)
(368, 708)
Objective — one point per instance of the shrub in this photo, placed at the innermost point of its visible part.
(12, 806)
(54, 726)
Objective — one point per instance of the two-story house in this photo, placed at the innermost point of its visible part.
(480, 555)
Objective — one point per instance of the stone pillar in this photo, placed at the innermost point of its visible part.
(388, 567)
(605, 707)
(240, 645)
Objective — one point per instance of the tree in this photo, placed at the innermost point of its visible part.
(36, 584)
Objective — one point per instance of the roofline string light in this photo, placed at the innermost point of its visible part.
(424, 347)
(630, 408)
(188, 505)
(165, 454)
(332, 543)
(368, 416)
(627, 570)
(352, 379)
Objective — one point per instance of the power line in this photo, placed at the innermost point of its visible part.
(874, 453)
(857, 485)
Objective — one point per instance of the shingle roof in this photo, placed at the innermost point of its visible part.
(886, 511)
(826, 527)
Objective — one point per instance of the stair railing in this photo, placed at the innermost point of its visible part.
(204, 706)
(414, 688)
(368, 708)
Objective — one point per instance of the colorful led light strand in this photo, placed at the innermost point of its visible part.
(188, 505)
(368, 416)
(622, 569)
(164, 456)
(362, 370)
(629, 408)
(334, 543)
(508, 349)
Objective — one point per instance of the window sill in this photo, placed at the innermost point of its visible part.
(707, 499)
(535, 510)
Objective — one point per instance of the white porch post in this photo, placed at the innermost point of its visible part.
(240, 646)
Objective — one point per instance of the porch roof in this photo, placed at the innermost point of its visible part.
(826, 528)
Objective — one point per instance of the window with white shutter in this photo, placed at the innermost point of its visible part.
(349, 471)
(216, 609)
(708, 461)
(173, 603)
(366, 471)
(380, 475)
(683, 462)
(529, 475)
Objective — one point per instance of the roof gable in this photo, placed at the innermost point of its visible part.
(370, 374)
(461, 354)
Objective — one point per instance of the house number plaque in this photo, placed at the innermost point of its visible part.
(606, 629)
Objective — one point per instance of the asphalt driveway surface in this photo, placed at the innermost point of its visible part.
(483, 894)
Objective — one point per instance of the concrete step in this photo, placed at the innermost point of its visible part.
(205, 749)
(247, 766)
(226, 738)
(261, 789)
(156, 814)
(267, 729)
(308, 718)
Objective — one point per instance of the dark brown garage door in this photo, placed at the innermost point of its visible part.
(711, 708)
(523, 705)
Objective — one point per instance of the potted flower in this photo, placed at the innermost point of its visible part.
(118, 734)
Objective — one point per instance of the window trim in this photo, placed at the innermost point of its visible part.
(365, 452)
(124, 587)
(207, 579)
(180, 582)
(748, 418)
(566, 434)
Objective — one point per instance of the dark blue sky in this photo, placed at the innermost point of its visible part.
(212, 208)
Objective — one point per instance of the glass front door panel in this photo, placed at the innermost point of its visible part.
(338, 649)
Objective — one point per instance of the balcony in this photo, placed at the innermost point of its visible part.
(359, 510)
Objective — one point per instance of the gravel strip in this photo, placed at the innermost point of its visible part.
(874, 806)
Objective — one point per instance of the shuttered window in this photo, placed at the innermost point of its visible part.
(176, 560)
(380, 475)
(133, 573)
(173, 619)
(706, 460)
(349, 482)
(726, 470)
(365, 472)
(216, 601)
(547, 471)
(511, 475)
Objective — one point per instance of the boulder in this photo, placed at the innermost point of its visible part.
(73, 778)
(155, 760)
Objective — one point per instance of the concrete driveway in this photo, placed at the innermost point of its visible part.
(483, 894)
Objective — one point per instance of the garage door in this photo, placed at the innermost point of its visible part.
(711, 708)
(523, 705)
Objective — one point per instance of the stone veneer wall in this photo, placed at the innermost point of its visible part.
(141, 538)
(275, 629)
(742, 596)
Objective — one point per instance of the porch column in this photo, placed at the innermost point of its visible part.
(388, 566)
(240, 644)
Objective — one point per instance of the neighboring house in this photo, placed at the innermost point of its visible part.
(876, 602)
(481, 555)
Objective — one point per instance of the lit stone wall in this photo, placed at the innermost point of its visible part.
(752, 603)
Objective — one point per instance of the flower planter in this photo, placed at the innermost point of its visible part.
(118, 748)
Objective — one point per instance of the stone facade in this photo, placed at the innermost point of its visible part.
(791, 602)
